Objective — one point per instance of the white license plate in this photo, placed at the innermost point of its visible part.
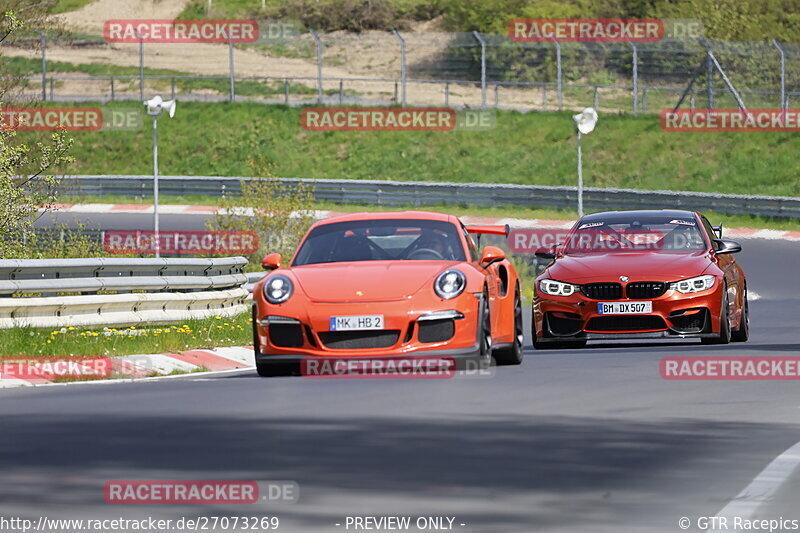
(625, 308)
(357, 322)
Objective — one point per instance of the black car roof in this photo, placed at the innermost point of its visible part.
(644, 213)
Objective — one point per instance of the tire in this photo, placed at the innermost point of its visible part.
(742, 333)
(539, 344)
(724, 336)
(485, 330)
(512, 355)
(264, 370)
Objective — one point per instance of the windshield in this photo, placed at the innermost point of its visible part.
(381, 240)
(622, 234)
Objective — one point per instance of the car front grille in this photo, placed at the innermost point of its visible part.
(359, 340)
(645, 290)
(626, 323)
(602, 291)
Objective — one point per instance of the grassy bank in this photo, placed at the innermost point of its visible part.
(528, 148)
(194, 334)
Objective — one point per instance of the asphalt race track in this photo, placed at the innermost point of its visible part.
(587, 440)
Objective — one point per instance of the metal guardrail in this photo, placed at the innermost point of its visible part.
(415, 193)
(92, 292)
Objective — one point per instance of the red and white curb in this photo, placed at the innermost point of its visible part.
(138, 367)
(516, 223)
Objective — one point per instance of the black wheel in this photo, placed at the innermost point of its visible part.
(742, 333)
(512, 355)
(540, 344)
(485, 331)
(724, 336)
(264, 370)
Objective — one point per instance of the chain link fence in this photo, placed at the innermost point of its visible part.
(380, 68)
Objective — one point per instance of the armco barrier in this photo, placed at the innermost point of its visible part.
(94, 292)
(389, 193)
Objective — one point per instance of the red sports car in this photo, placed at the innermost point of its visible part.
(372, 285)
(642, 275)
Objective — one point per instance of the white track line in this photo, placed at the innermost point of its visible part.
(763, 488)
(139, 380)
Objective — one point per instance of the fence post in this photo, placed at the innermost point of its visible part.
(112, 88)
(496, 95)
(319, 65)
(286, 92)
(232, 93)
(402, 63)
(709, 81)
(43, 41)
(172, 88)
(446, 94)
(141, 62)
(559, 75)
(691, 100)
(483, 68)
(644, 100)
(635, 78)
(544, 97)
(783, 74)
(52, 88)
(596, 99)
(341, 91)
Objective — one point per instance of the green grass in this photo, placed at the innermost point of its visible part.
(194, 334)
(63, 6)
(527, 148)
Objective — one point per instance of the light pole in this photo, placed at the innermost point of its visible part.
(155, 106)
(585, 122)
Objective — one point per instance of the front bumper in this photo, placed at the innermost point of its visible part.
(302, 330)
(674, 315)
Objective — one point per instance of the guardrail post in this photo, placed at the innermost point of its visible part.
(483, 68)
(783, 74)
(318, 42)
(141, 63)
(43, 42)
(402, 63)
(635, 72)
(559, 75)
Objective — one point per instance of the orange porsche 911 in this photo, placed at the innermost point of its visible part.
(373, 285)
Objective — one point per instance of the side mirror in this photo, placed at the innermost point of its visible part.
(491, 255)
(271, 262)
(718, 231)
(727, 247)
(546, 253)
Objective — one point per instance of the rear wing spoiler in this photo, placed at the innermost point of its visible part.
(490, 230)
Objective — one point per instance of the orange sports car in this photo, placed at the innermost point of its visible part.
(376, 285)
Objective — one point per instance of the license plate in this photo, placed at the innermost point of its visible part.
(625, 308)
(357, 322)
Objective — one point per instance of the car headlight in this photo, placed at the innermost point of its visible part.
(700, 283)
(278, 289)
(450, 284)
(558, 288)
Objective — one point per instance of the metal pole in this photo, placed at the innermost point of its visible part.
(141, 63)
(43, 41)
(286, 91)
(319, 65)
(402, 63)
(112, 88)
(709, 82)
(155, 186)
(559, 75)
(496, 95)
(483, 68)
(580, 178)
(596, 99)
(341, 91)
(446, 94)
(172, 88)
(727, 81)
(635, 79)
(783, 74)
(230, 63)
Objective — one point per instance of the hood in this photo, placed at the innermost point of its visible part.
(367, 281)
(587, 268)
